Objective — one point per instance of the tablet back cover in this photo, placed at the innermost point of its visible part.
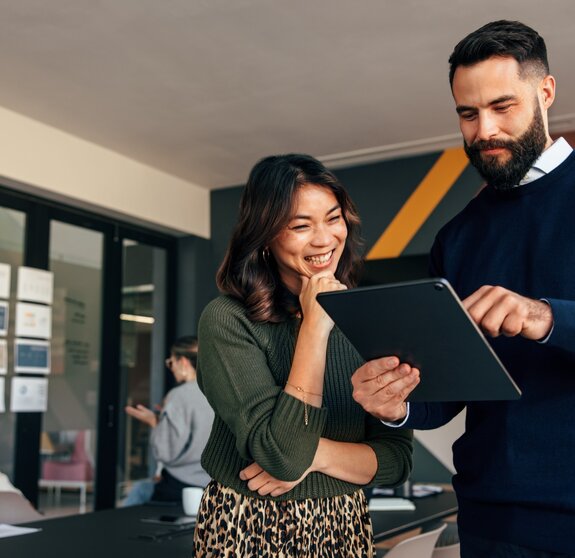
(423, 323)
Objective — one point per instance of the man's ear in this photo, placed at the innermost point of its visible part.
(546, 91)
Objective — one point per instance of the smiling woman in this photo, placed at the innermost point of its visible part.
(269, 211)
(314, 239)
(286, 480)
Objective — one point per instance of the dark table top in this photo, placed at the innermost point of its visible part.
(122, 533)
(103, 534)
(387, 524)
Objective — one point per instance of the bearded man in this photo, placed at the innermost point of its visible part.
(510, 254)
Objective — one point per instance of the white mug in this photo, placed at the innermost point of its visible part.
(191, 497)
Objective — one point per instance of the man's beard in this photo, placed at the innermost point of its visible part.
(524, 152)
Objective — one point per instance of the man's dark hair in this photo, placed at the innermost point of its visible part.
(502, 38)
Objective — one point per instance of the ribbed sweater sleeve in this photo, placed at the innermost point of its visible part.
(393, 449)
(234, 374)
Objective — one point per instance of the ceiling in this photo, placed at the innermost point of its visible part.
(202, 89)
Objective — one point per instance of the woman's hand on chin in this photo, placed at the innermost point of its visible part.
(313, 313)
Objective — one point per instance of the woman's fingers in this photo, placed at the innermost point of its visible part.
(250, 471)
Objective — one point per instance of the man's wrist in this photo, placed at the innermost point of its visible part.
(400, 421)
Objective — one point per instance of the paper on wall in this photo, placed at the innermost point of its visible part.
(3, 356)
(4, 280)
(31, 356)
(3, 318)
(33, 320)
(35, 285)
(2, 396)
(29, 395)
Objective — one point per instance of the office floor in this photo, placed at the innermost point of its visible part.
(69, 503)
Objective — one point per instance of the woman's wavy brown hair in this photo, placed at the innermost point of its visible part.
(266, 208)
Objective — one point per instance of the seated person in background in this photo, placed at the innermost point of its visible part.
(182, 429)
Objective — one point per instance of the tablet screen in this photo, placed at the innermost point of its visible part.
(423, 323)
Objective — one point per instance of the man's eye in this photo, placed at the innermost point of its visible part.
(469, 116)
(502, 109)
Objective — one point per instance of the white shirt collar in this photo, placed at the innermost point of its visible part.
(549, 160)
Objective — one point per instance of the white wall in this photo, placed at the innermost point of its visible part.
(47, 161)
(439, 441)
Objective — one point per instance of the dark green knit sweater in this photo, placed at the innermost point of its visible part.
(242, 368)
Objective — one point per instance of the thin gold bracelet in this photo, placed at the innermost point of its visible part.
(304, 400)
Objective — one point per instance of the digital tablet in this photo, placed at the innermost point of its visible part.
(424, 324)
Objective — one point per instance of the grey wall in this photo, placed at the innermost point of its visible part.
(379, 190)
(195, 282)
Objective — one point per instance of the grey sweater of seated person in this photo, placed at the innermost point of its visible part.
(182, 432)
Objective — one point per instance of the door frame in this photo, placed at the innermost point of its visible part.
(39, 213)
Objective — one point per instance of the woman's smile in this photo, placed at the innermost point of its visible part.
(314, 238)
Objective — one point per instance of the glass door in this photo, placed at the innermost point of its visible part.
(142, 354)
(12, 227)
(69, 429)
(112, 317)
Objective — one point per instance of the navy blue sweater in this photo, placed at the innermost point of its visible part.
(515, 462)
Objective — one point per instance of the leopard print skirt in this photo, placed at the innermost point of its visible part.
(231, 525)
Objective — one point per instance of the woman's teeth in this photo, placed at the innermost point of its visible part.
(318, 260)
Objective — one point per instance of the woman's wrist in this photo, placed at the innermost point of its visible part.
(319, 461)
(304, 393)
(315, 328)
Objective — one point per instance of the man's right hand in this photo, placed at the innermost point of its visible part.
(381, 387)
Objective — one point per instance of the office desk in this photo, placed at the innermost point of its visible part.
(387, 524)
(103, 534)
(118, 533)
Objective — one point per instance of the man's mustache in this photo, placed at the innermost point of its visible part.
(480, 145)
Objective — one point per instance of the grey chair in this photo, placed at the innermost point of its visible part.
(14, 509)
(420, 546)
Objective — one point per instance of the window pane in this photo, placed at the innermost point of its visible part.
(69, 427)
(142, 354)
(12, 227)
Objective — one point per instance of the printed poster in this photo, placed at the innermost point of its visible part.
(29, 395)
(35, 285)
(4, 280)
(33, 320)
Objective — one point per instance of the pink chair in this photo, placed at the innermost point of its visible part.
(78, 472)
(78, 468)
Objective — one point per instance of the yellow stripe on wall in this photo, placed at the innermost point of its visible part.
(420, 204)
